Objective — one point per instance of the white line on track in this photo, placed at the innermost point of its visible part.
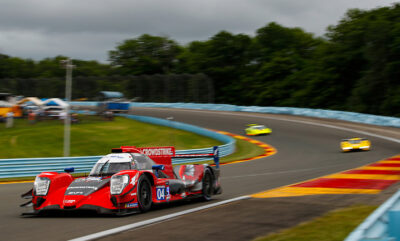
(154, 220)
(170, 216)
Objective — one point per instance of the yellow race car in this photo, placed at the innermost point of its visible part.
(355, 144)
(255, 130)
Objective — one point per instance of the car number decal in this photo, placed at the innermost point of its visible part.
(162, 193)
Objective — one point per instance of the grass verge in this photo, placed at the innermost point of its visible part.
(333, 226)
(91, 137)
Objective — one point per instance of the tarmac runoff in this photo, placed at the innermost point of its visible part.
(369, 179)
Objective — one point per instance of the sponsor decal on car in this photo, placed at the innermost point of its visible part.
(167, 193)
(131, 205)
(74, 193)
(134, 179)
(97, 179)
(165, 151)
(116, 156)
(82, 187)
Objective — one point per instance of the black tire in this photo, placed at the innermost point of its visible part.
(144, 195)
(207, 183)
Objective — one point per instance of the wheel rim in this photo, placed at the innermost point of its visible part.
(145, 194)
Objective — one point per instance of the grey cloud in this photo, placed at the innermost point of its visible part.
(87, 29)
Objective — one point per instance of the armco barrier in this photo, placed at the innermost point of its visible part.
(382, 225)
(25, 167)
(331, 114)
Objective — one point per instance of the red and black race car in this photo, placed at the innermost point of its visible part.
(128, 180)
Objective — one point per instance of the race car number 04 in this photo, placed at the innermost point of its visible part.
(162, 193)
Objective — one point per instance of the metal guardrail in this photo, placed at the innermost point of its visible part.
(382, 225)
(25, 167)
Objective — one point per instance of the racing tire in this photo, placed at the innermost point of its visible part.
(144, 195)
(207, 183)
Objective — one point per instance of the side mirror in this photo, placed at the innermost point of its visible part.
(69, 169)
(158, 167)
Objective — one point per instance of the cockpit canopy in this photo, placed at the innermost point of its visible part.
(116, 162)
(258, 127)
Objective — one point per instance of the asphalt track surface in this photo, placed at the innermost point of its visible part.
(304, 152)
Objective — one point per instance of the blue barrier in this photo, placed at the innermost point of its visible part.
(26, 167)
(382, 224)
(320, 113)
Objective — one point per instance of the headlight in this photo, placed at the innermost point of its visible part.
(41, 186)
(118, 183)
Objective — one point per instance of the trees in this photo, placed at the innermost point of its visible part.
(224, 58)
(355, 67)
(279, 55)
(146, 54)
(367, 52)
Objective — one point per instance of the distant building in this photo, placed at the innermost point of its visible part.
(110, 95)
(112, 101)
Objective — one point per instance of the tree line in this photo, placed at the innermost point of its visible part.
(355, 66)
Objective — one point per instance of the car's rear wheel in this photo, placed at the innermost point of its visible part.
(207, 185)
(144, 194)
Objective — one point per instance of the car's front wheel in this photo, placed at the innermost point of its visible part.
(144, 194)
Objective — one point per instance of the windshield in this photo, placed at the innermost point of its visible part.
(109, 168)
(259, 127)
(143, 162)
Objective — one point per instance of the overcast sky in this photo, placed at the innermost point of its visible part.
(88, 29)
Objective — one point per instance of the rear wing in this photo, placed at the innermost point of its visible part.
(163, 154)
(214, 155)
(148, 151)
(160, 155)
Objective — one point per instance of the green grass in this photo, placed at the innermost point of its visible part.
(93, 136)
(333, 226)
